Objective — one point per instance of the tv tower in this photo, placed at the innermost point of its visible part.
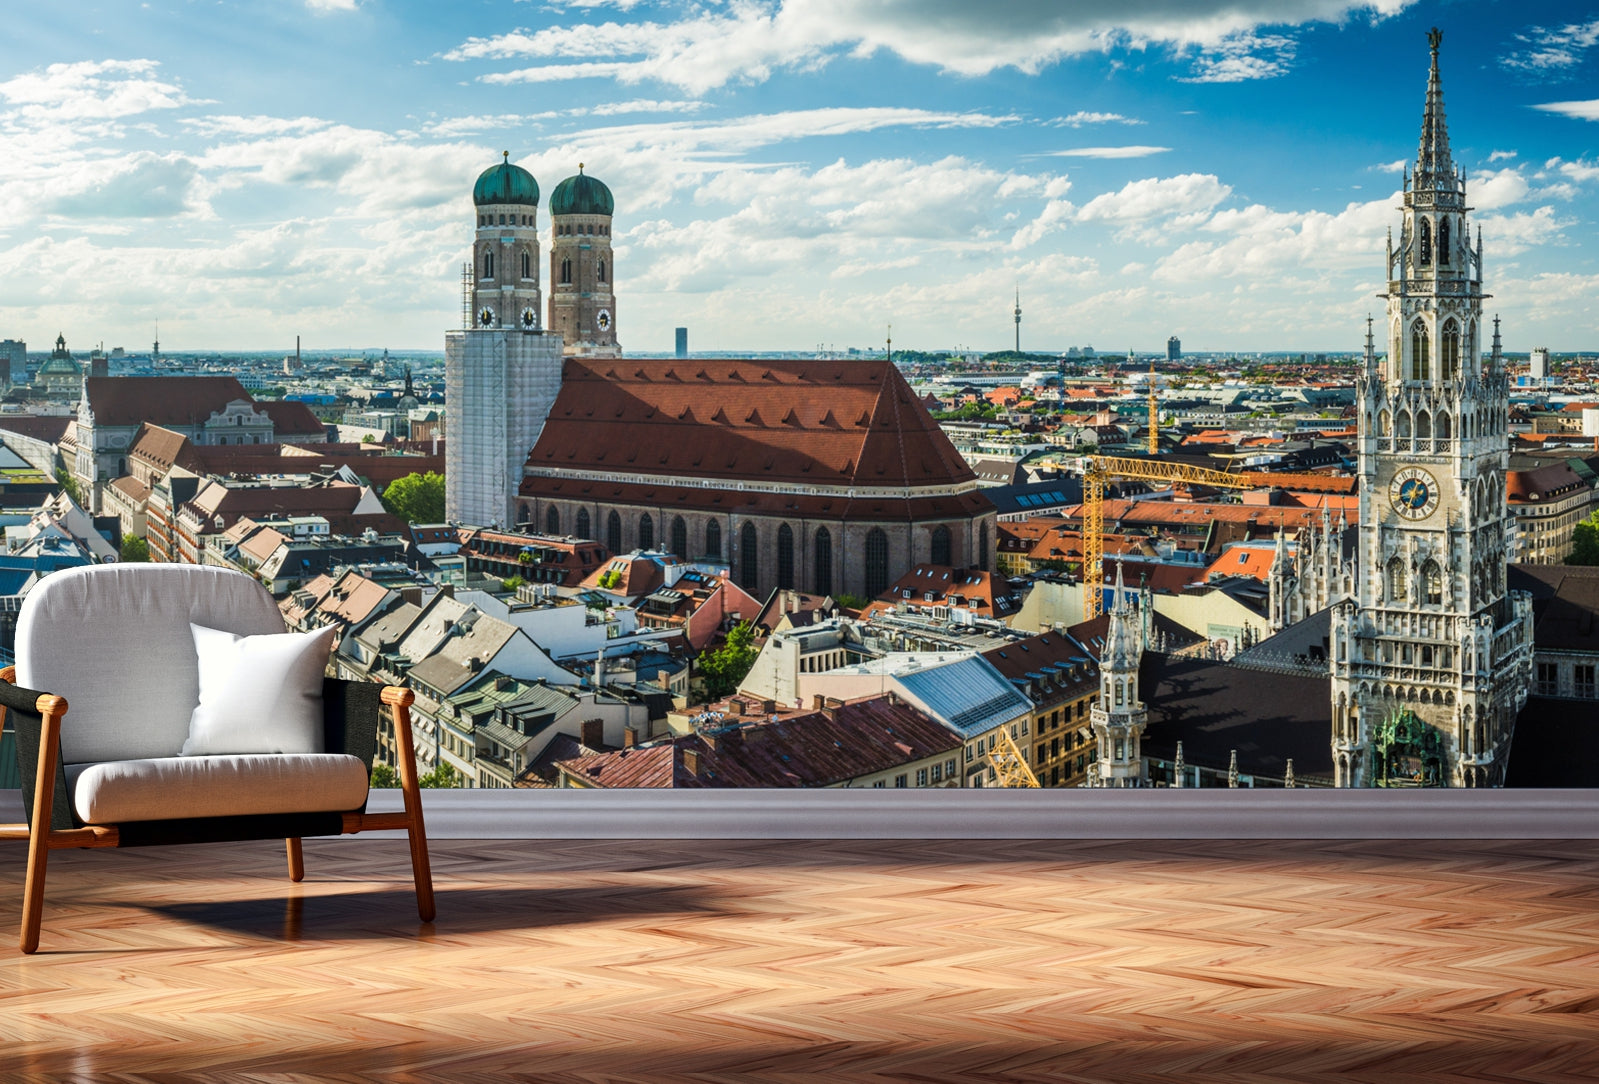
(1018, 315)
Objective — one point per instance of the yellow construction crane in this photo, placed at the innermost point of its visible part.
(1010, 767)
(1098, 470)
(1154, 415)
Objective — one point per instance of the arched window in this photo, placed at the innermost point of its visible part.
(1443, 426)
(679, 537)
(646, 532)
(1434, 579)
(785, 557)
(1443, 243)
(613, 532)
(1449, 350)
(1425, 257)
(1420, 352)
(552, 520)
(824, 561)
(566, 272)
(582, 526)
(1423, 426)
(940, 553)
(1384, 424)
(1396, 580)
(527, 265)
(749, 560)
(713, 540)
(601, 271)
(488, 264)
(876, 562)
(982, 548)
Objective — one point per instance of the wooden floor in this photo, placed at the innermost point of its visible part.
(802, 961)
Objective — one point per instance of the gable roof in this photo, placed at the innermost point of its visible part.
(291, 419)
(160, 400)
(797, 421)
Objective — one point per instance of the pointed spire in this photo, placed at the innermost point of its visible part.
(1288, 777)
(1498, 356)
(1180, 770)
(1434, 168)
(1371, 342)
(1232, 770)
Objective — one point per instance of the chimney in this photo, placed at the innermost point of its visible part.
(599, 669)
(735, 707)
(629, 737)
(712, 740)
(663, 679)
(893, 699)
(691, 762)
(768, 706)
(818, 701)
(591, 732)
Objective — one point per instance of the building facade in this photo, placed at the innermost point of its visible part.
(501, 372)
(582, 267)
(1432, 657)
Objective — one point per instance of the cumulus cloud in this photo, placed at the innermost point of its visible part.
(1083, 116)
(92, 90)
(1492, 189)
(1156, 197)
(750, 39)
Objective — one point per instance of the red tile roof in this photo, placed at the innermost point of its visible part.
(789, 421)
(160, 400)
(291, 419)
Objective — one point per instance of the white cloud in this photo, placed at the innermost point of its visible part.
(1513, 234)
(750, 39)
(1552, 53)
(1586, 110)
(90, 90)
(1262, 243)
(223, 124)
(1396, 166)
(1109, 152)
(326, 7)
(1501, 156)
(1154, 197)
(1243, 57)
(1083, 116)
(1491, 189)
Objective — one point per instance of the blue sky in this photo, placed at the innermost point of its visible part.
(787, 173)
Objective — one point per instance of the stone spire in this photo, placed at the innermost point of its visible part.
(1180, 770)
(1122, 637)
(1434, 167)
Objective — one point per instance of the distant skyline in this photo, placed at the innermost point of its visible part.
(787, 174)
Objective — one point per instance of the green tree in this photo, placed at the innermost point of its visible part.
(384, 777)
(443, 777)
(70, 484)
(135, 549)
(726, 666)
(368, 438)
(511, 583)
(1585, 542)
(848, 601)
(416, 498)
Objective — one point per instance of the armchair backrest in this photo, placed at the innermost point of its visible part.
(115, 641)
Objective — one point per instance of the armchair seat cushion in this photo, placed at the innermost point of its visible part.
(172, 788)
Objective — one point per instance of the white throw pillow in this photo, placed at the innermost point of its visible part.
(258, 694)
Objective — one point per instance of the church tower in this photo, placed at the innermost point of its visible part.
(1432, 655)
(1119, 717)
(582, 270)
(502, 369)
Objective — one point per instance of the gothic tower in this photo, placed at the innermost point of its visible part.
(1432, 655)
(1119, 717)
(501, 370)
(582, 305)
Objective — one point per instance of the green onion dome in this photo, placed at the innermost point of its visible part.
(506, 183)
(581, 195)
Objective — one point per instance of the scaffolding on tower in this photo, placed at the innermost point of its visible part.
(1154, 414)
(466, 296)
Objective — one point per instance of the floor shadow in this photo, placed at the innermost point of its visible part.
(390, 913)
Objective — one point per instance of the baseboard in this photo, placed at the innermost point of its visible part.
(994, 814)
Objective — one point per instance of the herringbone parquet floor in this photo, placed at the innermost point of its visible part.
(814, 961)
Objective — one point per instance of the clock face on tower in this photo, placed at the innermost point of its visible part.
(603, 319)
(485, 317)
(530, 319)
(1413, 493)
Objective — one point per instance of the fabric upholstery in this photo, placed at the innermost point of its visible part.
(115, 641)
(226, 786)
(259, 694)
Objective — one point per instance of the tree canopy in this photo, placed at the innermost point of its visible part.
(1585, 542)
(416, 498)
(135, 549)
(726, 666)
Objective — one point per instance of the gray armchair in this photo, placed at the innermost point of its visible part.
(114, 643)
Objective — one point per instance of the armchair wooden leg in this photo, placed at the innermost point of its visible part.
(417, 832)
(44, 793)
(296, 859)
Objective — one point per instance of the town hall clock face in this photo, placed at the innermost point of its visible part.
(486, 317)
(1413, 493)
(604, 319)
(530, 319)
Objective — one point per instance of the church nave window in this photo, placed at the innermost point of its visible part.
(713, 540)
